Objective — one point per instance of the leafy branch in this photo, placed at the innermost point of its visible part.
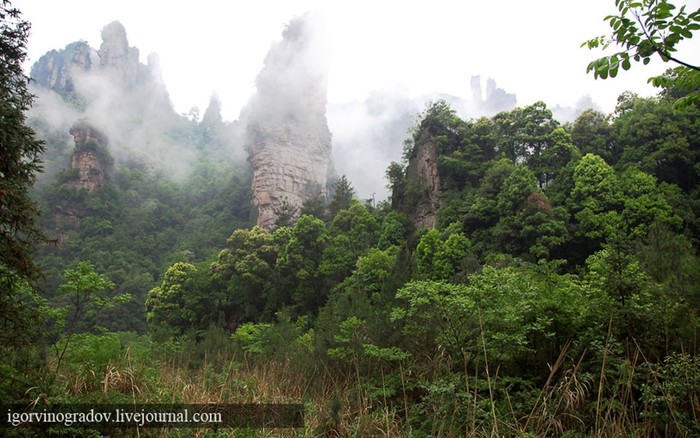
(85, 289)
(644, 29)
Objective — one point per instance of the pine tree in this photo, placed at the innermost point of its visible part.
(19, 162)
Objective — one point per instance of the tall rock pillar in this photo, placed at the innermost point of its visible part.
(287, 138)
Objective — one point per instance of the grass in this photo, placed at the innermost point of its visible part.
(627, 395)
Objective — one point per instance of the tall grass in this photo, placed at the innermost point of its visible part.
(627, 395)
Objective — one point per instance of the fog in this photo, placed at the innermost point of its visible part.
(124, 99)
(127, 100)
(369, 135)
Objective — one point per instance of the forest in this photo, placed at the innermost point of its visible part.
(556, 294)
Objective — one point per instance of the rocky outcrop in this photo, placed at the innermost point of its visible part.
(288, 139)
(90, 163)
(117, 58)
(423, 173)
(286, 170)
(123, 98)
(90, 167)
(495, 100)
(60, 70)
(56, 69)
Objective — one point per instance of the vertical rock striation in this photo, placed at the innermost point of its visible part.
(287, 138)
(59, 70)
(424, 172)
(55, 70)
(90, 166)
(90, 162)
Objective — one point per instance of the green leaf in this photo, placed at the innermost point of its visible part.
(613, 66)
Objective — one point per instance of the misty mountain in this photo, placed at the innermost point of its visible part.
(368, 135)
(287, 135)
(111, 90)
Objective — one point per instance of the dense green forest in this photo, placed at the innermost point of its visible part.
(141, 221)
(558, 293)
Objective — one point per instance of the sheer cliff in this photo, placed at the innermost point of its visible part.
(70, 72)
(122, 97)
(423, 172)
(288, 139)
(90, 163)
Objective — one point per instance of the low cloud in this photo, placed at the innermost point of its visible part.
(369, 135)
(126, 100)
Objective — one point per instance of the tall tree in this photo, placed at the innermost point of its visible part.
(662, 141)
(19, 149)
(591, 134)
(168, 308)
(245, 267)
(523, 132)
(298, 264)
(19, 163)
(343, 194)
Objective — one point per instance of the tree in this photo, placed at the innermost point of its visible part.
(19, 150)
(646, 28)
(343, 194)
(19, 163)
(396, 176)
(392, 229)
(440, 257)
(595, 200)
(527, 222)
(245, 267)
(166, 305)
(558, 154)
(660, 140)
(298, 264)
(475, 148)
(353, 232)
(523, 132)
(86, 291)
(591, 134)
(515, 189)
(508, 314)
(644, 204)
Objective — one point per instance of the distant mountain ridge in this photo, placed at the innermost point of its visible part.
(61, 70)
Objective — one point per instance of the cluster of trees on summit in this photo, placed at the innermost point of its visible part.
(559, 291)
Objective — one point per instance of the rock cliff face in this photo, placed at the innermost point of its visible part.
(117, 57)
(423, 171)
(90, 163)
(89, 170)
(62, 70)
(55, 70)
(288, 139)
(122, 97)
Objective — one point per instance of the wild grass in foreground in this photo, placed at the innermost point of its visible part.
(628, 395)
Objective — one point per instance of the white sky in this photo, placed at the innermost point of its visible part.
(531, 48)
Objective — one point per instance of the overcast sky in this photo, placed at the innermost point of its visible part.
(531, 48)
